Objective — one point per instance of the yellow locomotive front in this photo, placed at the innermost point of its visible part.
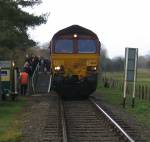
(75, 61)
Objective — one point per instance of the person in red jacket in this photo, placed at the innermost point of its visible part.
(24, 77)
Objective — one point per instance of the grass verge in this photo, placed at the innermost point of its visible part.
(141, 111)
(143, 76)
(9, 120)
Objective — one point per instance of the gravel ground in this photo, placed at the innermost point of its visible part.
(36, 112)
(127, 118)
(34, 118)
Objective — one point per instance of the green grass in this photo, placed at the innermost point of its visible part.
(143, 76)
(114, 96)
(9, 122)
(141, 111)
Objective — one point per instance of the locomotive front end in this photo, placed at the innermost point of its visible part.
(75, 63)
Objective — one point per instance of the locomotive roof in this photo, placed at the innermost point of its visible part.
(74, 29)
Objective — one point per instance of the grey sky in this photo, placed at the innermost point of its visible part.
(118, 23)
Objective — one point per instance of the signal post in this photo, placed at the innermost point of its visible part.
(131, 57)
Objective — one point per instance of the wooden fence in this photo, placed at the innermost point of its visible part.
(141, 91)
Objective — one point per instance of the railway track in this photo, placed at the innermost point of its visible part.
(81, 121)
(85, 123)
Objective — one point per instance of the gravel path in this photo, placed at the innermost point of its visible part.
(35, 117)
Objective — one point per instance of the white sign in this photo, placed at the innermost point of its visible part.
(131, 57)
(5, 64)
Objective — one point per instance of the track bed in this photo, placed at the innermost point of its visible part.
(84, 124)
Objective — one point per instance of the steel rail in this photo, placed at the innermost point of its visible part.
(113, 121)
(63, 122)
(50, 83)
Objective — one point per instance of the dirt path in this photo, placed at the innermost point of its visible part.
(34, 118)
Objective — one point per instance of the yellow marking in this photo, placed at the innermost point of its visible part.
(6, 77)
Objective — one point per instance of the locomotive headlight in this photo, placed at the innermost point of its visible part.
(91, 68)
(95, 68)
(57, 68)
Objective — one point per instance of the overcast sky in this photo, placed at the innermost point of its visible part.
(118, 23)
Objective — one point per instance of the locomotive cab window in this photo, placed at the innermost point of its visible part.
(64, 46)
(86, 46)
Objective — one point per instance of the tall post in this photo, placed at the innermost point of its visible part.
(13, 81)
(134, 81)
(125, 78)
(16, 81)
(0, 84)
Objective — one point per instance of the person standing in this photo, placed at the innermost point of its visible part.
(42, 65)
(24, 77)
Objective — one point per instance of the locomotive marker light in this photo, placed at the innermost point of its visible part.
(75, 35)
(131, 56)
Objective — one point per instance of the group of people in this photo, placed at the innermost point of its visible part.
(44, 65)
(29, 68)
(30, 64)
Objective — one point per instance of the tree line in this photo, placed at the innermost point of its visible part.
(14, 24)
(117, 64)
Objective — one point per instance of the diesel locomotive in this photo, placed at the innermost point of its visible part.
(75, 57)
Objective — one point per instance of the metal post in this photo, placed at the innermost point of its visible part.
(125, 78)
(16, 81)
(0, 84)
(13, 81)
(49, 86)
(135, 72)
